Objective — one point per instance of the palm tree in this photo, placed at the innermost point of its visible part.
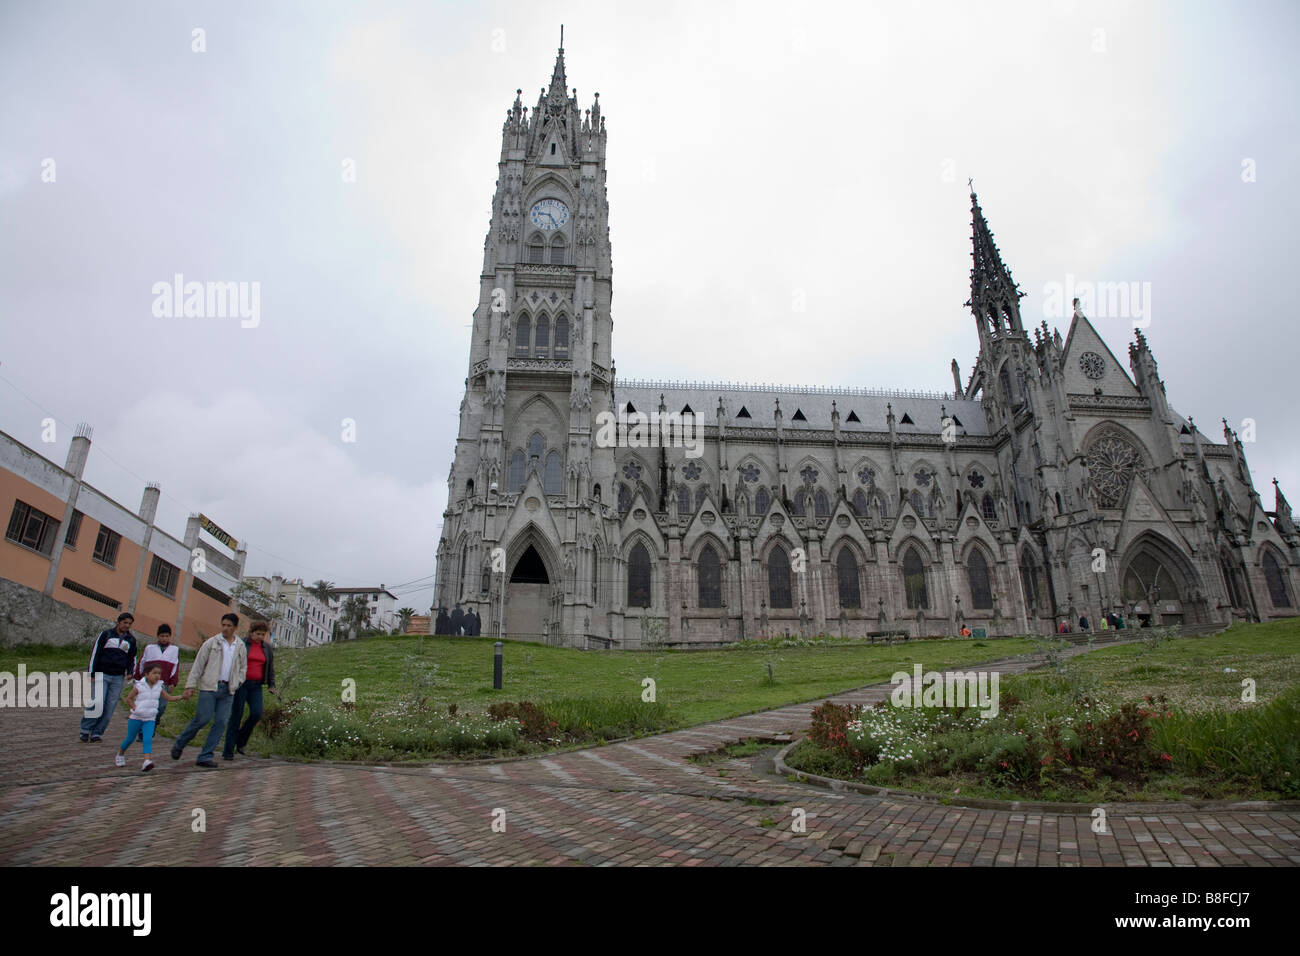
(321, 590)
(354, 614)
(404, 616)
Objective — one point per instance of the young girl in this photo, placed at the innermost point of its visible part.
(143, 701)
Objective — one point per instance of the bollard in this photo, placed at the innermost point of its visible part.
(496, 665)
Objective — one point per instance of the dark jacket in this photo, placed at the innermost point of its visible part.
(268, 676)
(113, 653)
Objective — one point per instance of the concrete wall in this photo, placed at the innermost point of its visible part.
(29, 617)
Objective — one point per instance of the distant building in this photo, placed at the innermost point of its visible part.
(301, 619)
(381, 604)
(69, 541)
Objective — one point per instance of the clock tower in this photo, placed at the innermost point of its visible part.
(527, 477)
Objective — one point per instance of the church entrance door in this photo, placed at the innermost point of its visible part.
(528, 598)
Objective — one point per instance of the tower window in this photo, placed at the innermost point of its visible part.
(535, 250)
(523, 329)
(552, 149)
(557, 251)
(778, 579)
(542, 343)
(562, 337)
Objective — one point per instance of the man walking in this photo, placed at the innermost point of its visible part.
(113, 656)
(167, 656)
(219, 669)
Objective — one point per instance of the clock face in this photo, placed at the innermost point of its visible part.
(549, 214)
(1092, 364)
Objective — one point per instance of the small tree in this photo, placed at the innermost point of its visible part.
(258, 602)
(321, 590)
(354, 614)
(404, 616)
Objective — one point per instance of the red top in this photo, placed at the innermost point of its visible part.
(256, 661)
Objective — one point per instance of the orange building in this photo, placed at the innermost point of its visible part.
(74, 544)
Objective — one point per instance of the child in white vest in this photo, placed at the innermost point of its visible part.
(143, 701)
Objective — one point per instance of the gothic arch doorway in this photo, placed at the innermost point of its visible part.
(528, 598)
(1158, 585)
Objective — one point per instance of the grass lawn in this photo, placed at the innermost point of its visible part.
(1197, 740)
(404, 677)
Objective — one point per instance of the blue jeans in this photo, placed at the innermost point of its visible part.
(95, 726)
(138, 728)
(214, 707)
(250, 692)
(162, 708)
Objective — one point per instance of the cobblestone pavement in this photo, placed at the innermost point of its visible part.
(641, 802)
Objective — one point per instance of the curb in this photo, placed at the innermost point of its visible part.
(1040, 806)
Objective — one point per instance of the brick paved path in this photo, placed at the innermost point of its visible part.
(640, 802)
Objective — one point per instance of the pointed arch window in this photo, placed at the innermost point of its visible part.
(821, 504)
(762, 501)
(881, 505)
(846, 566)
(542, 338)
(1035, 585)
(523, 334)
(464, 563)
(557, 251)
(797, 506)
(1277, 592)
(918, 503)
(709, 573)
(684, 500)
(536, 449)
(638, 576)
(988, 508)
(914, 580)
(778, 579)
(554, 474)
(595, 576)
(860, 503)
(517, 470)
(624, 499)
(701, 493)
(562, 337)
(536, 251)
(977, 575)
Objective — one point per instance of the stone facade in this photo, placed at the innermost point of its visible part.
(1052, 485)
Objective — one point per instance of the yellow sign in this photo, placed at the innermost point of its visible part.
(210, 526)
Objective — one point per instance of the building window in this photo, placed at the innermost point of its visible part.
(557, 251)
(914, 580)
(562, 337)
(74, 529)
(977, 574)
(989, 508)
(554, 474)
(542, 340)
(32, 528)
(595, 577)
(162, 576)
(709, 572)
(1276, 582)
(701, 493)
(535, 252)
(638, 576)
(1031, 578)
(684, 500)
(778, 579)
(624, 499)
(762, 501)
(821, 504)
(850, 588)
(517, 470)
(797, 505)
(106, 546)
(918, 503)
(523, 331)
(464, 561)
(860, 503)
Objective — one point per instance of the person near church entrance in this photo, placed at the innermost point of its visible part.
(965, 631)
(168, 657)
(472, 623)
(113, 656)
(457, 620)
(1083, 622)
(218, 670)
(261, 671)
(442, 623)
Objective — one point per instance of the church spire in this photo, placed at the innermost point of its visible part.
(559, 89)
(994, 297)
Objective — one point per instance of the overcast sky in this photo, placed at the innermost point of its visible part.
(759, 155)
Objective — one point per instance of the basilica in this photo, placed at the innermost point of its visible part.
(1054, 483)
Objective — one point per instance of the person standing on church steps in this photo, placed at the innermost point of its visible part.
(457, 619)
